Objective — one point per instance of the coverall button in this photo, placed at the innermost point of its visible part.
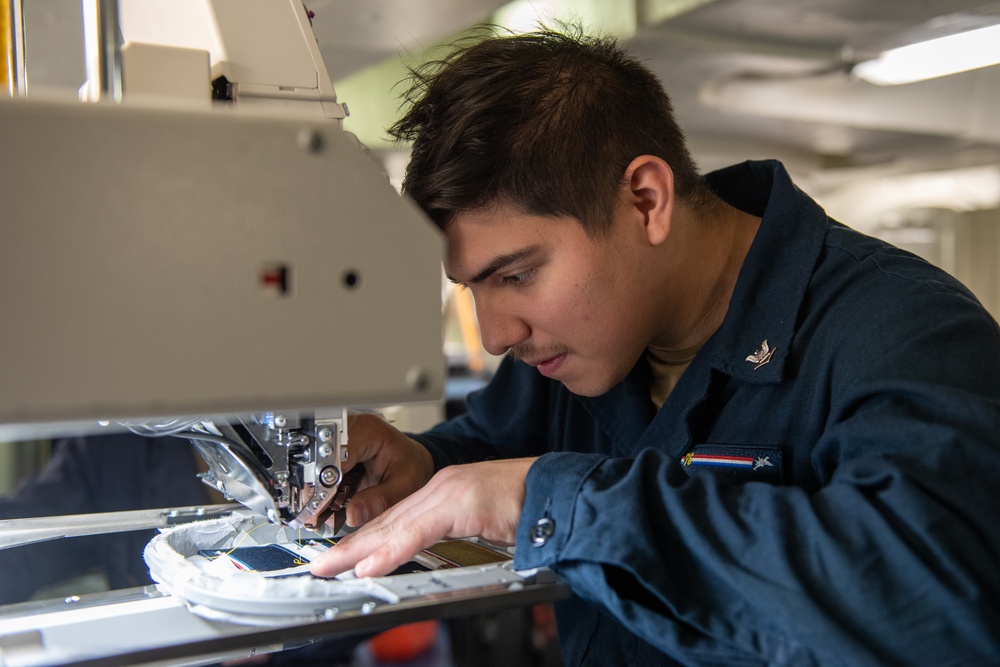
(542, 531)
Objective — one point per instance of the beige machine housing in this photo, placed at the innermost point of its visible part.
(190, 262)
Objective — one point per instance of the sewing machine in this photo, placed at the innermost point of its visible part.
(239, 276)
(240, 263)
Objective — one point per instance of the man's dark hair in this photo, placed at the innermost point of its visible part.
(546, 122)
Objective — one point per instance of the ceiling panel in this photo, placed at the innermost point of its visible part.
(354, 35)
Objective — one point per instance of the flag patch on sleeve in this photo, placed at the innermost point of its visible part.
(735, 463)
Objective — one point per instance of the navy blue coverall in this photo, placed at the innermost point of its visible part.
(819, 488)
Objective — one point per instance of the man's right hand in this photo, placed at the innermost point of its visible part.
(395, 466)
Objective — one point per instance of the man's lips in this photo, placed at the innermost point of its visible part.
(548, 367)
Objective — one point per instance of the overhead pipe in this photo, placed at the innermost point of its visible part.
(12, 46)
(102, 48)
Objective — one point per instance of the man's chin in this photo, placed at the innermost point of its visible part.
(588, 388)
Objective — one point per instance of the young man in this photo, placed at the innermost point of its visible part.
(741, 432)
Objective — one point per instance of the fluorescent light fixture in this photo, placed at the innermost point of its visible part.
(523, 16)
(936, 57)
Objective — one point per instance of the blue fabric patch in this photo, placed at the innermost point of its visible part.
(259, 559)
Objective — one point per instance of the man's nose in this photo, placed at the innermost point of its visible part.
(500, 328)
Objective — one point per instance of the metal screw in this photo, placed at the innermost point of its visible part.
(330, 476)
(280, 421)
(325, 434)
(325, 451)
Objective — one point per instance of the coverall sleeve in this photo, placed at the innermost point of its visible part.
(891, 560)
(505, 419)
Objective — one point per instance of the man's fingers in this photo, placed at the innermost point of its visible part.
(372, 501)
(365, 436)
(481, 499)
(366, 505)
(391, 554)
(336, 560)
(379, 548)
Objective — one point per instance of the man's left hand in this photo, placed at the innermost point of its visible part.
(475, 500)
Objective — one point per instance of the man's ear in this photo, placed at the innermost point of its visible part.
(649, 188)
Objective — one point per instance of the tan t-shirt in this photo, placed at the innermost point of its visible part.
(667, 367)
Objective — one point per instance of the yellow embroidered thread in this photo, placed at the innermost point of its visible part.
(244, 537)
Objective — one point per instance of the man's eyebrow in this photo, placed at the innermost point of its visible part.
(497, 263)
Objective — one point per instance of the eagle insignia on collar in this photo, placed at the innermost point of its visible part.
(761, 356)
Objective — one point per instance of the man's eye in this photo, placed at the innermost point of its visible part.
(518, 279)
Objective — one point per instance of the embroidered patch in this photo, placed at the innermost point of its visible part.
(274, 557)
(267, 558)
(736, 463)
(721, 461)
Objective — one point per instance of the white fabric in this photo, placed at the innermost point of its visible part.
(216, 590)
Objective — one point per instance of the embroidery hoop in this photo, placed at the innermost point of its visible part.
(249, 598)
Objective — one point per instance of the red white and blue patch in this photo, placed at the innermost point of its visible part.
(716, 460)
(735, 463)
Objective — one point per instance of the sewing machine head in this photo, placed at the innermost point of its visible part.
(287, 468)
